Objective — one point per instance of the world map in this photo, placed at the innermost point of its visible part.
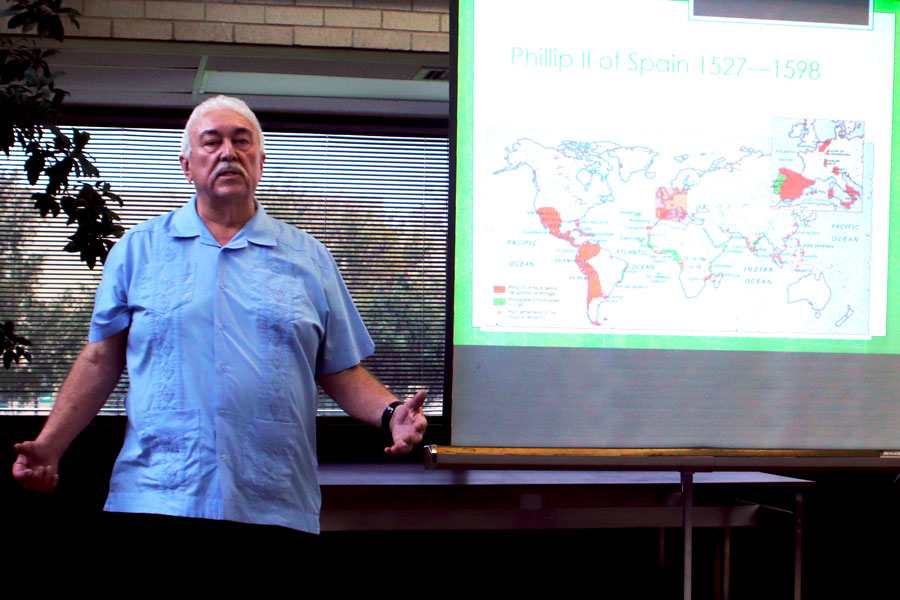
(751, 237)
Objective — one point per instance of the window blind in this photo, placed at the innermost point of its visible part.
(379, 203)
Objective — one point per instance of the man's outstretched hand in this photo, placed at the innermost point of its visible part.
(407, 425)
(35, 467)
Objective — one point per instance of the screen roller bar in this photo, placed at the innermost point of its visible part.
(656, 459)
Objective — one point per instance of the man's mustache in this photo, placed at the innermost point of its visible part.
(230, 166)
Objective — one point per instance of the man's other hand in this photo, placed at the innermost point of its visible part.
(35, 467)
(407, 425)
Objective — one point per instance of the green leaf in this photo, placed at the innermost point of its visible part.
(58, 175)
(58, 96)
(34, 166)
(81, 139)
(45, 203)
(17, 21)
(68, 205)
(87, 167)
(112, 196)
(7, 136)
(51, 27)
(61, 141)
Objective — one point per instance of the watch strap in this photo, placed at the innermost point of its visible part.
(388, 414)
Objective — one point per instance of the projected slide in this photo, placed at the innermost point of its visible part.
(648, 180)
(663, 238)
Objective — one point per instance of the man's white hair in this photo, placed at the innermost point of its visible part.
(215, 103)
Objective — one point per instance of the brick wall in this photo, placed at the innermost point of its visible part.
(418, 25)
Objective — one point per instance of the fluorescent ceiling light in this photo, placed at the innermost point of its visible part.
(320, 86)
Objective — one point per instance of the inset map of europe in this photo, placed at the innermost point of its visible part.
(666, 235)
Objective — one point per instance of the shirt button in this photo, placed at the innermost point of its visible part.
(221, 327)
(221, 286)
(225, 458)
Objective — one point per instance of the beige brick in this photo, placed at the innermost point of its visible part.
(203, 32)
(382, 40)
(90, 27)
(142, 29)
(445, 22)
(114, 8)
(410, 21)
(294, 15)
(431, 42)
(264, 34)
(235, 13)
(340, 17)
(176, 11)
(439, 6)
(394, 4)
(330, 3)
(331, 37)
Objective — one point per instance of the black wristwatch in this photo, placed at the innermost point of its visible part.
(388, 414)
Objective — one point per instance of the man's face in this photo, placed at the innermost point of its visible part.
(226, 162)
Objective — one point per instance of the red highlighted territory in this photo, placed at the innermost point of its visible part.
(551, 220)
(790, 185)
(585, 253)
(854, 196)
(671, 204)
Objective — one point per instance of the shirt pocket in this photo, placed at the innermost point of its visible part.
(283, 299)
(269, 460)
(171, 441)
(163, 287)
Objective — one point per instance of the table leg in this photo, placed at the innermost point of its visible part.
(687, 525)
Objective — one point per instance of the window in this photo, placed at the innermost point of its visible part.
(379, 203)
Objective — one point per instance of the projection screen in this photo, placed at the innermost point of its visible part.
(675, 229)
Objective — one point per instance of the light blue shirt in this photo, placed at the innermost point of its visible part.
(223, 349)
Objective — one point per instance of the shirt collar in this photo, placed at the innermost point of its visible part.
(260, 229)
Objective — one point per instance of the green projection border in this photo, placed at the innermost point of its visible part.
(465, 334)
